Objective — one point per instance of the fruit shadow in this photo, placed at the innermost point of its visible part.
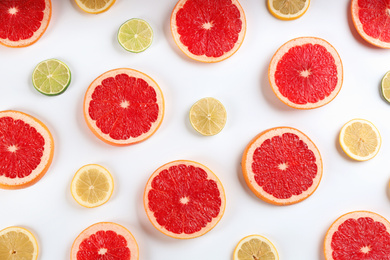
(340, 150)
(321, 255)
(388, 189)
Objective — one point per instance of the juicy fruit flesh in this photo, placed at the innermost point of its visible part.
(360, 139)
(16, 245)
(287, 7)
(94, 4)
(51, 77)
(386, 86)
(361, 238)
(284, 166)
(21, 148)
(104, 245)
(20, 19)
(375, 18)
(209, 28)
(124, 107)
(135, 35)
(92, 186)
(183, 199)
(306, 74)
(255, 249)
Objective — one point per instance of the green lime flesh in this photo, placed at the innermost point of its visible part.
(135, 35)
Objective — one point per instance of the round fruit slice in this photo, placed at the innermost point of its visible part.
(92, 185)
(184, 199)
(51, 77)
(105, 240)
(306, 73)
(255, 247)
(18, 243)
(385, 84)
(26, 150)
(358, 235)
(371, 20)
(360, 139)
(135, 35)
(208, 116)
(95, 6)
(123, 107)
(282, 166)
(288, 9)
(208, 31)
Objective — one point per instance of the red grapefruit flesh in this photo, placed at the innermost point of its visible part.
(105, 241)
(371, 19)
(208, 31)
(23, 22)
(306, 73)
(26, 150)
(358, 235)
(184, 199)
(282, 166)
(123, 107)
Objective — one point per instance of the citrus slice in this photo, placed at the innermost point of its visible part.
(51, 77)
(288, 9)
(208, 31)
(184, 199)
(358, 235)
(385, 86)
(306, 73)
(18, 243)
(123, 106)
(255, 247)
(26, 150)
(95, 6)
(92, 185)
(135, 35)
(208, 116)
(105, 240)
(371, 20)
(360, 139)
(282, 166)
(23, 22)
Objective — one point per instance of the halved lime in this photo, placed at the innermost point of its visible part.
(51, 77)
(135, 35)
(386, 86)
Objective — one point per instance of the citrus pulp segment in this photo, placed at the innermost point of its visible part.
(135, 35)
(208, 116)
(358, 235)
(360, 139)
(123, 106)
(306, 73)
(385, 86)
(105, 240)
(51, 77)
(288, 9)
(95, 6)
(17, 243)
(208, 31)
(23, 22)
(282, 166)
(92, 185)
(371, 20)
(255, 247)
(26, 149)
(184, 199)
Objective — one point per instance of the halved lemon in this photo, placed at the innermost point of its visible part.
(255, 247)
(135, 35)
(288, 9)
(360, 139)
(95, 6)
(386, 86)
(17, 243)
(92, 185)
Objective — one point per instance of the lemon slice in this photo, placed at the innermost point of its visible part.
(255, 247)
(288, 9)
(360, 139)
(135, 35)
(92, 185)
(18, 243)
(208, 116)
(95, 6)
(386, 86)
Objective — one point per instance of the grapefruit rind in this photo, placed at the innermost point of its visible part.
(209, 225)
(301, 41)
(263, 240)
(86, 9)
(287, 17)
(247, 160)
(26, 232)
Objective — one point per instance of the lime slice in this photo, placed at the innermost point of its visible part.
(135, 35)
(208, 116)
(255, 247)
(386, 86)
(51, 77)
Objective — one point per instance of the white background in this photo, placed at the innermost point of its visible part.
(88, 44)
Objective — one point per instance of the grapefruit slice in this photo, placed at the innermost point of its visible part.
(282, 166)
(208, 31)
(105, 240)
(358, 235)
(123, 107)
(26, 149)
(255, 247)
(306, 73)
(288, 9)
(371, 19)
(23, 22)
(17, 243)
(184, 199)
